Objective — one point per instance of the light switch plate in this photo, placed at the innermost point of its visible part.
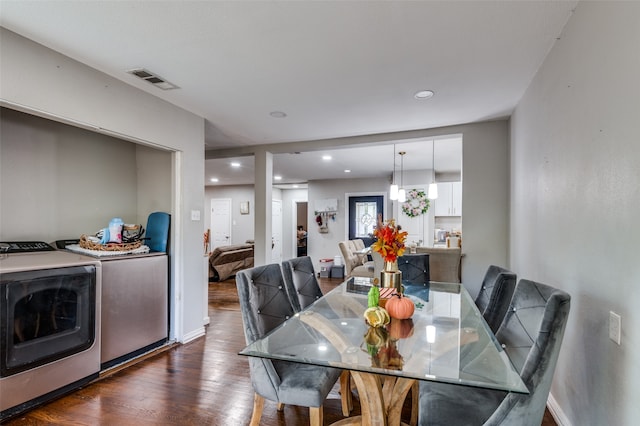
(614, 327)
(195, 214)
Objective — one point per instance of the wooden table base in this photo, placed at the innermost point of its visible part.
(381, 400)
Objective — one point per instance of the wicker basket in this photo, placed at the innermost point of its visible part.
(90, 245)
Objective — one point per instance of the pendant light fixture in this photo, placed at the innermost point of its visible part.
(402, 194)
(393, 190)
(432, 193)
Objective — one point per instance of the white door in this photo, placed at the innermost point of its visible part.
(418, 227)
(220, 222)
(276, 230)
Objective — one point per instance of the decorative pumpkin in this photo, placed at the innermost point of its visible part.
(400, 328)
(376, 316)
(400, 307)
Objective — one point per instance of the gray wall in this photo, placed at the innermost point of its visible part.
(575, 198)
(242, 224)
(44, 83)
(58, 181)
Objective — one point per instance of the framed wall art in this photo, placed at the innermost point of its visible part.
(244, 207)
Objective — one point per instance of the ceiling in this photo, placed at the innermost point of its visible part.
(336, 69)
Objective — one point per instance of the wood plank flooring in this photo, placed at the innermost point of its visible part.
(203, 382)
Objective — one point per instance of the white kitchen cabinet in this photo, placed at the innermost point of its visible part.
(449, 201)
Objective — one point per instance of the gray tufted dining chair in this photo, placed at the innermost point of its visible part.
(495, 295)
(265, 304)
(301, 278)
(531, 335)
(415, 274)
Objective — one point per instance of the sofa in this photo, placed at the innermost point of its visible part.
(225, 261)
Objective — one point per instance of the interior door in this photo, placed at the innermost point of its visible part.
(220, 222)
(276, 231)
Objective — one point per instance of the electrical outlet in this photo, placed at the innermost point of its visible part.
(614, 327)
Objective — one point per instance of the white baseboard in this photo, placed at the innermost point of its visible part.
(198, 332)
(556, 412)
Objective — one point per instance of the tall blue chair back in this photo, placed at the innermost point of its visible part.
(157, 234)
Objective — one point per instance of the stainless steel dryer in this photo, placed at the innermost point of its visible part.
(49, 324)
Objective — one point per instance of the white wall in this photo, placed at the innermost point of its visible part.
(575, 198)
(45, 83)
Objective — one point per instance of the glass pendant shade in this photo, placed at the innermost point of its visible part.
(393, 192)
(432, 193)
(402, 195)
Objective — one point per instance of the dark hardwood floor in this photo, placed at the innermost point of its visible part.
(203, 382)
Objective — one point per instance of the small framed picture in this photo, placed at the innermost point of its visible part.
(244, 207)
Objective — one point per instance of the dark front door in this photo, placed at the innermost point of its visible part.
(363, 214)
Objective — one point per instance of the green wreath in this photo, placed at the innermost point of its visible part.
(417, 203)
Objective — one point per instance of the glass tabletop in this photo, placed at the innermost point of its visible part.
(446, 339)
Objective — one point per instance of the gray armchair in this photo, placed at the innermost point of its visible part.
(495, 295)
(265, 304)
(355, 265)
(531, 335)
(300, 275)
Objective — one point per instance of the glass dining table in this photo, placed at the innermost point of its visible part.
(446, 340)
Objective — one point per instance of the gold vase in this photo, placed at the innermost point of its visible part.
(391, 277)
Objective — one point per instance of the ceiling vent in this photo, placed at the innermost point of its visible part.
(152, 78)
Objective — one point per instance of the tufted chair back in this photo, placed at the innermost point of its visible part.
(414, 267)
(301, 280)
(531, 335)
(495, 295)
(263, 300)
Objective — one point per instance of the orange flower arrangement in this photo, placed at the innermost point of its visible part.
(390, 240)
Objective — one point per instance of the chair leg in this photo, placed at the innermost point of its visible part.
(346, 396)
(258, 405)
(315, 416)
(280, 406)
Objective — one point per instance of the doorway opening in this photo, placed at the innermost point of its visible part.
(302, 228)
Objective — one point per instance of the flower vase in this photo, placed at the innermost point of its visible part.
(391, 277)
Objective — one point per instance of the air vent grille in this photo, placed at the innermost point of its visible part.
(152, 78)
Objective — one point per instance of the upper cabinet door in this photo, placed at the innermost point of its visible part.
(449, 201)
(443, 202)
(456, 198)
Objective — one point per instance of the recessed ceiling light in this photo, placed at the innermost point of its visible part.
(347, 171)
(277, 114)
(424, 94)
(235, 164)
(276, 177)
(326, 157)
(214, 179)
(296, 186)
